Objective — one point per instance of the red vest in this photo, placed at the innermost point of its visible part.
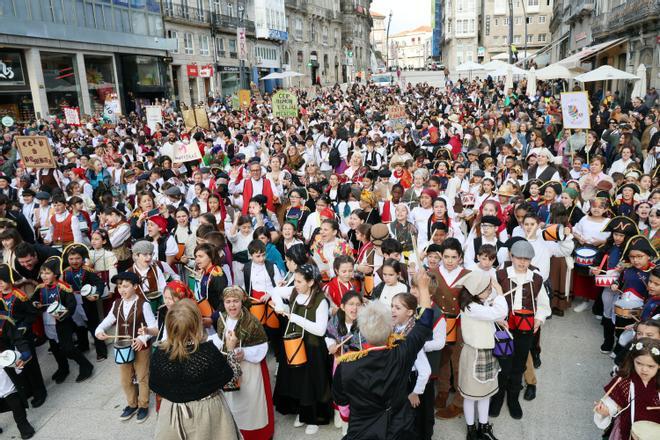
(267, 191)
(62, 231)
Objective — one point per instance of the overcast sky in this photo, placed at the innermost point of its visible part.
(406, 14)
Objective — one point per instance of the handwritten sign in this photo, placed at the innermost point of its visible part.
(195, 117)
(186, 152)
(575, 110)
(285, 104)
(111, 109)
(71, 115)
(397, 114)
(35, 151)
(154, 116)
(256, 93)
(244, 98)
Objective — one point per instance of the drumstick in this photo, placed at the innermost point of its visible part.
(611, 388)
(650, 408)
(599, 269)
(344, 341)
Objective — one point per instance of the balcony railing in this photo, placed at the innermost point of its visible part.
(633, 12)
(186, 14)
(221, 22)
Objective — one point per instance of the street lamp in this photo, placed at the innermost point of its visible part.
(387, 43)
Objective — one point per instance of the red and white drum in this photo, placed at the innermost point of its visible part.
(605, 280)
(467, 199)
(585, 256)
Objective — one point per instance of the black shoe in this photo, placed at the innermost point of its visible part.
(38, 401)
(530, 392)
(486, 432)
(101, 357)
(472, 433)
(142, 415)
(28, 433)
(558, 312)
(536, 360)
(514, 406)
(84, 375)
(60, 376)
(128, 412)
(496, 403)
(0, 430)
(83, 348)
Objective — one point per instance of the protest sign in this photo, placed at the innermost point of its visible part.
(195, 117)
(244, 99)
(35, 151)
(186, 152)
(256, 93)
(285, 104)
(71, 115)
(397, 115)
(154, 116)
(111, 109)
(575, 110)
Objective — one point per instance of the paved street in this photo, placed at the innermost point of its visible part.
(570, 379)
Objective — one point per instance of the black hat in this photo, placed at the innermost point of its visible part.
(642, 244)
(7, 178)
(131, 277)
(529, 184)
(556, 186)
(632, 186)
(385, 172)
(6, 274)
(54, 264)
(490, 220)
(434, 248)
(28, 192)
(622, 225)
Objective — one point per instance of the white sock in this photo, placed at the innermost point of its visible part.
(482, 407)
(468, 411)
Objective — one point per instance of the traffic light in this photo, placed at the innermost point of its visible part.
(350, 54)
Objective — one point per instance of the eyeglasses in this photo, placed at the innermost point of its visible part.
(255, 170)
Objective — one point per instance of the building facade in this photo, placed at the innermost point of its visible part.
(80, 53)
(571, 27)
(411, 49)
(531, 28)
(378, 35)
(314, 46)
(356, 30)
(460, 37)
(436, 25)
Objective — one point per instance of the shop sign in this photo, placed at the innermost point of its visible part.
(7, 121)
(71, 116)
(206, 71)
(242, 44)
(229, 69)
(192, 70)
(11, 69)
(285, 104)
(275, 34)
(186, 152)
(35, 151)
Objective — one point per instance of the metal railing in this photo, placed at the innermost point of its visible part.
(187, 13)
(632, 12)
(222, 21)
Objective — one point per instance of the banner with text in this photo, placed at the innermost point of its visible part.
(35, 151)
(186, 152)
(285, 104)
(154, 116)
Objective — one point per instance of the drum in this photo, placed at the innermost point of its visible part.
(124, 353)
(633, 313)
(452, 329)
(88, 291)
(205, 308)
(258, 310)
(272, 321)
(8, 358)
(605, 280)
(503, 344)
(522, 320)
(154, 296)
(56, 309)
(585, 256)
(467, 199)
(554, 233)
(181, 250)
(43, 232)
(645, 430)
(368, 285)
(294, 349)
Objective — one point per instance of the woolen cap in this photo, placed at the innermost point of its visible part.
(143, 247)
(379, 232)
(522, 249)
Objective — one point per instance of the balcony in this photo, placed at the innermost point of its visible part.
(300, 5)
(229, 22)
(186, 14)
(632, 13)
(581, 9)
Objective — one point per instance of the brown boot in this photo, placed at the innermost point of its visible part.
(441, 399)
(450, 412)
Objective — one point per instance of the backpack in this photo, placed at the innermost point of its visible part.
(334, 159)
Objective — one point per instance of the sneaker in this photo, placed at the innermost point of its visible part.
(129, 412)
(311, 429)
(581, 307)
(101, 358)
(613, 355)
(603, 351)
(142, 415)
(598, 317)
(297, 423)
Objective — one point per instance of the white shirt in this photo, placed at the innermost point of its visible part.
(389, 292)
(254, 354)
(260, 280)
(75, 227)
(127, 305)
(316, 327)
(541, 302)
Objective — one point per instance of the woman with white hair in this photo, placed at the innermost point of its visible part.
(374, 381)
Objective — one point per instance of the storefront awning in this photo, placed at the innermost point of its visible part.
(588, 52)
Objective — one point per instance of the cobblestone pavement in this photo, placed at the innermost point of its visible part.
(570, 379)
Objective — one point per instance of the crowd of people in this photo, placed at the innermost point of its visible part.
(398, 271)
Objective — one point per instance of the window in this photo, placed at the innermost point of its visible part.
(530, 20)
(312, 28)
(337, 37)
(541, 38)
(324, 35)
(220, 47)
(532, 2)
(517, 20)
(487, 25)
(174, 35)
(541, 18)
(204, 45)
(232, 48)
(530, 38)
(298, 30)
(506, 21)
(188, 48)
(516, 39)
(230, 9)
(497, 22)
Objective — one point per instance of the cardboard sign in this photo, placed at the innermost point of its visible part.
(256, 93)
(397, 114)
(186, 152)
(244, 99)
(195, 117)
(575, 110)
(202, 117)
(154, 116)
(111, 110)
(71, 115)
(35, 151)
(285, 104)
(235, 103)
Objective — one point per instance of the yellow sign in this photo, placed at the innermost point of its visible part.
(285, 104)
(195, 117)
(35, 151)
(244, 99)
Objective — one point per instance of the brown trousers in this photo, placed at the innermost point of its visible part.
(136, 395)
(530, 374)
(449, 363)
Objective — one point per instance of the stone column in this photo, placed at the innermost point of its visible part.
(37, 83)
(85, 102)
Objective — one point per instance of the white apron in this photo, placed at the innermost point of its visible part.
(248, 405)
